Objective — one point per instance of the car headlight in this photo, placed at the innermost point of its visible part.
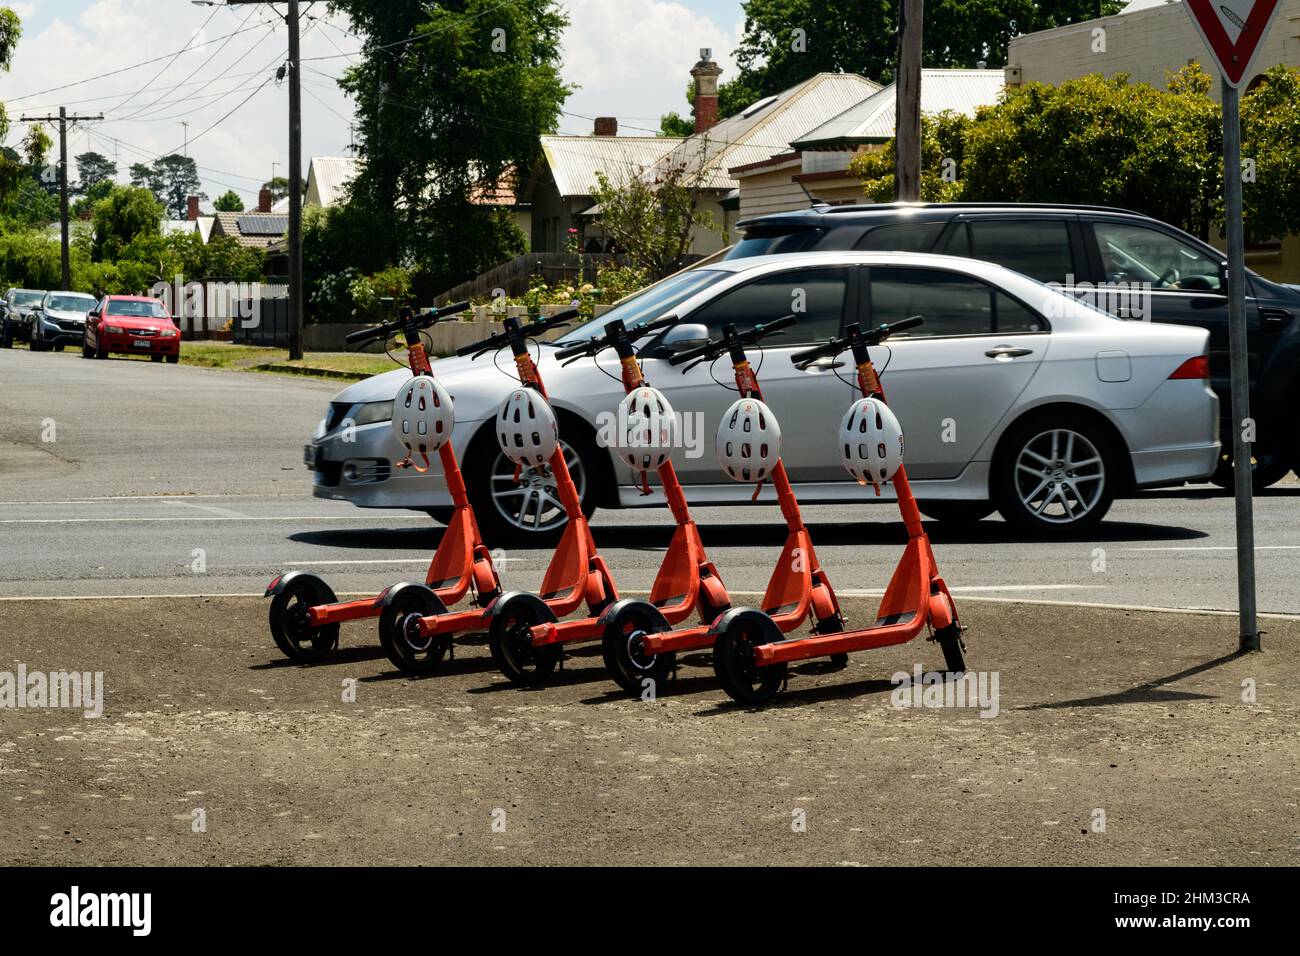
(169, 333)
(372, 412)
(112, 330)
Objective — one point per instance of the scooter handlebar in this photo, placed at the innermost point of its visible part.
(601, 342)
(531, 330)
(837, 345)
(422, 321)
(715, 347)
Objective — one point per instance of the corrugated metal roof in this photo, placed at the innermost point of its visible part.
(575, 160)
(769, 130)
(961, 91)
(331, 174)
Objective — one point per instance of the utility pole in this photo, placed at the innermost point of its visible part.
(186, 124)
(1248, 637)
(63, 119)
(907, 103)
(295, 178)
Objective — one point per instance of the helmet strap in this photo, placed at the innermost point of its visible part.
(645, 483)
(758, 488)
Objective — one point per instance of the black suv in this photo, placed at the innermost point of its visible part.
(1124, 262)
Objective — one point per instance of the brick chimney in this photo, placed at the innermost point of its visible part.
(606, 125)
(706, 74)
(264, 200)
(192, 208)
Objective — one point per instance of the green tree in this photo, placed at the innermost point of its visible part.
(279, 187)
(127, 213)
(787, 41)
(229, 201)
(1103, 140)
(652, 221)
(1270, 122)
(172, 179)
(942, 153)
(93, 169)
(10, 170)
(462, 104)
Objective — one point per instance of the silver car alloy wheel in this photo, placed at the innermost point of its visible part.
(532, 503)
(1060, 476)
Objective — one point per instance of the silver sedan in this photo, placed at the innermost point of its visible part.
(1013, 397)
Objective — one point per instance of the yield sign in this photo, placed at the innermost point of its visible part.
(1233, 30)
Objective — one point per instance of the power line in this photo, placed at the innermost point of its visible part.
(125, 69)
(215, 53)
(174, 58)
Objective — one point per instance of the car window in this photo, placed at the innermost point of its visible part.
(1132, 253)
(71, 303)
(814, 296)
(652, 302)
(136, 309)
(901, 237)
(796, 240)
(28, 298)
(959, 242)
(1038, 248)
(951, 304)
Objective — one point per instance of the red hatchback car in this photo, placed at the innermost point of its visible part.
(131, 325)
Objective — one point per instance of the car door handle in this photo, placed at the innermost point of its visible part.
(1008, 351)
(822, 365)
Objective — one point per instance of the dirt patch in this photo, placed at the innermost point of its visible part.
(1136, 716)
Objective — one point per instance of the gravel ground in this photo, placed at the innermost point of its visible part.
(1135, 715)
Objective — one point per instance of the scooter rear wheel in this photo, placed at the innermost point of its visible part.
(733, 661)
(295, 637)
(512, 645)
(628, 665)
(399, 635)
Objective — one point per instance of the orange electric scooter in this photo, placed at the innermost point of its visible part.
(750, 655)
(798, 586)
(305, 614)
(575, 574)
(686, 582)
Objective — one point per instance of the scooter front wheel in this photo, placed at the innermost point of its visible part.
(399, 634)
(626, 661)
(733, 661)
(290, 628)
(512, 645)
(950, 642)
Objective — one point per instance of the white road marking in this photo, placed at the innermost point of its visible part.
(198, 518)
(1215, 612)
(1221, 547)
(224, 512)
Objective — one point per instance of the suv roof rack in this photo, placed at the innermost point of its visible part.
(865, 207)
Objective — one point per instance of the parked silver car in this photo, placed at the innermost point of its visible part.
(59, 319)
(1012, 396)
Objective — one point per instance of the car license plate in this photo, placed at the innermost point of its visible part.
(141, 343)
(311, 456)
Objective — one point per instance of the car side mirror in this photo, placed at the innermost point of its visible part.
(93, 314)
(684, 336)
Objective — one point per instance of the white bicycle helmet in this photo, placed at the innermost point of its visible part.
(871, 441)
(526, 428)
(423, 416)
(749, 440)
(647, 428)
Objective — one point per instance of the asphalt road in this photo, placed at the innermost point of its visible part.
(173, 480)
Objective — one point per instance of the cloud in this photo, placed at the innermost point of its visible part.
(631, 58)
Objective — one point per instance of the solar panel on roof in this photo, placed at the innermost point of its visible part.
(262, 225)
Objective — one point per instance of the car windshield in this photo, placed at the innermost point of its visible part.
(28, 298)
(137, 309)
(650, 303)
(71, 303)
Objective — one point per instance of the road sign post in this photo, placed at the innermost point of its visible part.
(1233, 31)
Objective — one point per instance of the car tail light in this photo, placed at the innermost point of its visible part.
(1198, 367)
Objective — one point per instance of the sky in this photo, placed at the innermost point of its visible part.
(629, 58)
